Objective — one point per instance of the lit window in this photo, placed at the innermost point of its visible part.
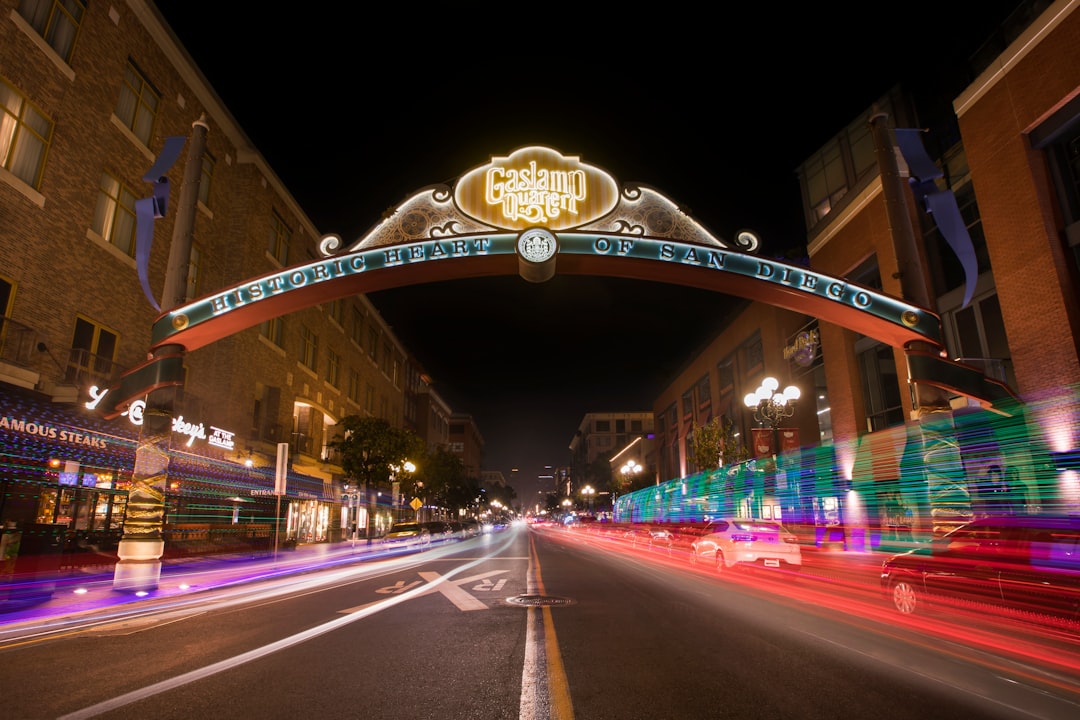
(138, 104)
(114, 215)
(25, 134)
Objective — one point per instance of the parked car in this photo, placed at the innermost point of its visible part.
(440, 531)
(731, 542)
(650, 535)
(1029, 563)
(407, 534)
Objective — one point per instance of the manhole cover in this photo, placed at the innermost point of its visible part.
(538, 600)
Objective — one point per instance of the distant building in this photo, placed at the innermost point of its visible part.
(602, 435)
(467, 443)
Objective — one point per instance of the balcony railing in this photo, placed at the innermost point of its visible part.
(84, 369)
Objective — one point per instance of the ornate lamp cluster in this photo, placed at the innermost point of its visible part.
(770, 406)
(631, 467)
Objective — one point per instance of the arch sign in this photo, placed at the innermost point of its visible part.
(536, 212)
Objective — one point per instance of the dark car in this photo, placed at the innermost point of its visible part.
(1029, 563)
(440, 531)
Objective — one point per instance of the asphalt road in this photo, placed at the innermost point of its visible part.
(533, 624)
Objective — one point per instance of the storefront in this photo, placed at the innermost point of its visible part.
(64, 477)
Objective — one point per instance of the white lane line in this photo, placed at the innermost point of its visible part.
(243, 658)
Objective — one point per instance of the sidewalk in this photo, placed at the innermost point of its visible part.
(73, 592)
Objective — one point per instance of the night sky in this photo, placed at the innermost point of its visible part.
(714, 109)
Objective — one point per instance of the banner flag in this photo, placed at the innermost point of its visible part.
(941, 204)
(155, 206)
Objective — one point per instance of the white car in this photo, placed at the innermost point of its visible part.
(729, 542)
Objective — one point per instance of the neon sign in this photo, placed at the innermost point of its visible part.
(536, 186)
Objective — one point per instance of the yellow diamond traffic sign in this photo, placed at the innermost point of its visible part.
(416, 504)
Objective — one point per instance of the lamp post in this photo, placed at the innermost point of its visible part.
(629, 470)
(407, 467)
(770, 407)
(588, 491)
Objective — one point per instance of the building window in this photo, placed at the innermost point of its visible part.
(208, 164)
(93, 349)
(704, 394)
(7, 290)
(725, 374)
(279, 239)
(395, 372)
(603, 426)
(976, 335)
(194, 273)
(354, 386)
(114, 215)
(755, 356)
(369, 398)
(55, 20)
(333, 364)
(309, 348)
(138, 104)
(387, 354)
(25, 134)
(272, 330)
(336, 312)
(373, 341)
(881, 386)
(357, 329)
(688, 404)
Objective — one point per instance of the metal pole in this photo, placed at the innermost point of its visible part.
(277, 525)
(142, 543)
(913, 283)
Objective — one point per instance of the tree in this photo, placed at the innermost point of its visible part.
(370, 446)
(445, 483)
(714, 444)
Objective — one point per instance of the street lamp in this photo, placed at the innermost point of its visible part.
(770, 408)
(588, 491)
(398, 496)
(630, 468)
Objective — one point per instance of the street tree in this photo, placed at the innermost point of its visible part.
(714, 445)
(371, 449)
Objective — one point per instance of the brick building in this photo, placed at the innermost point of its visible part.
(91, 95)
(1005, 148)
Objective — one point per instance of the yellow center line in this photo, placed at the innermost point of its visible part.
(562, 708)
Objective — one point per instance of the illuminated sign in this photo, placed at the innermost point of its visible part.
(193, 431)
(803, 348)
(536, 186)
(53, 432)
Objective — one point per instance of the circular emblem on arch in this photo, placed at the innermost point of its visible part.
(536, 251)
(537, 245)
